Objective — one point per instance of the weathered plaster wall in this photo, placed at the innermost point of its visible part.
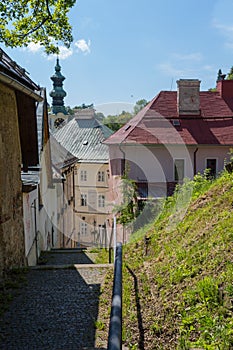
(11, 215)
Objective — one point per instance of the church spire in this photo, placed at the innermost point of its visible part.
(58, 93)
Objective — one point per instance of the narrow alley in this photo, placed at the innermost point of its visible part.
(57, 307)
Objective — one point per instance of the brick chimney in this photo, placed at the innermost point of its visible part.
(188, 98)
(225, 88)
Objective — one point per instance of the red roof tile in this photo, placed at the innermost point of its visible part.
(153, 124)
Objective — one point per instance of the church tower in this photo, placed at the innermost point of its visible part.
(59, 113)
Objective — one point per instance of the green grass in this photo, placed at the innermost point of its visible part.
(184, 295)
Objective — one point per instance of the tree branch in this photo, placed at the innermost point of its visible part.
(34, 29)
(42, 22)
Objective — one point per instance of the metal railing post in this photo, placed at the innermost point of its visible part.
(115, 327)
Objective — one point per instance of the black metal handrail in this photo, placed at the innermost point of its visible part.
(115, 327)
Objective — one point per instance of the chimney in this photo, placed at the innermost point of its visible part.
(85, 113)
(188, 98)
(225, 88)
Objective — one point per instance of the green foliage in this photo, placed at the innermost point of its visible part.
(115, 122)
(44, 22)
(128, 207)
(230, 74)
(99, 324)
(84, 106)
(140, 104)
(185, 282)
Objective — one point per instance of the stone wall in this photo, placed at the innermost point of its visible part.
(11, 211)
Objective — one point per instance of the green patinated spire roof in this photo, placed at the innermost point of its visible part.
(58, 93)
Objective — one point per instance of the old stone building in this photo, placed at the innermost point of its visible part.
(18, 149)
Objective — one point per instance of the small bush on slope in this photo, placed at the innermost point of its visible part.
(180, 295)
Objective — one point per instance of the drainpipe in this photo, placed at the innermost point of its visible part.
(123, 155)
(33, 205)
(195, 162)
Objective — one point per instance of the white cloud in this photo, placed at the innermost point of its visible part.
(64, 53)
(83, 45)
(170, 70)
(33, 47)
(227, 32)
(196, 56)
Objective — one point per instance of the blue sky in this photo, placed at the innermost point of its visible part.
(126, 50)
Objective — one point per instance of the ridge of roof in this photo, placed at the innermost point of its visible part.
(153, 124)
(132, 123)
(84, 140)
(14, 70)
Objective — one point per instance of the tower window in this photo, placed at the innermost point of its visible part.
(101, 176)
(83, 200)
(101, 201)
(83, 175)
(83, 228)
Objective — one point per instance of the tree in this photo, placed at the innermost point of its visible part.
(127, 211)
(44, 22)
(84, 106)
(115, 122)
(230, 74)
(140, 104)
(99, 116)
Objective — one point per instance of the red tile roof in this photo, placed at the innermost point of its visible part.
(154, 123)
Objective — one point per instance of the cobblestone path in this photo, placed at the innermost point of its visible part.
(57, 308)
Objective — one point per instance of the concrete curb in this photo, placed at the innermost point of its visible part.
(70, 266)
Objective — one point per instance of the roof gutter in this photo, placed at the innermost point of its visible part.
(18, 86)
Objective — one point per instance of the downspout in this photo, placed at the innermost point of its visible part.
(195, 162)
(123, 157)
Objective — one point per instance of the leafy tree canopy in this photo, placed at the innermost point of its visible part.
(230, 74)
(84, 106)
(115, 122)
(39, 21)
(139, 105)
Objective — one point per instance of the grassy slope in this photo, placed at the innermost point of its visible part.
(180, 294)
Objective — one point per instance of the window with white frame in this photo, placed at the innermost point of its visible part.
(83, 228)
(101, 176)
(178, 170)
(101, 201)
(83, 175)
(83, 200)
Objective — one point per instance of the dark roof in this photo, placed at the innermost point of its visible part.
(30, 180)
(154, 123)
(61, 158)
(12, 69)
(84, 139)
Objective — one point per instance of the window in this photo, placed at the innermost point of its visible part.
(179, 170)
(102, 231)
(211, 164)
(101, 176)
(83, 228)
(83, 175)
(83, 200)
(101, 201)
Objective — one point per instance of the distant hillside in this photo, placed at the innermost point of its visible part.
(178, 291)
